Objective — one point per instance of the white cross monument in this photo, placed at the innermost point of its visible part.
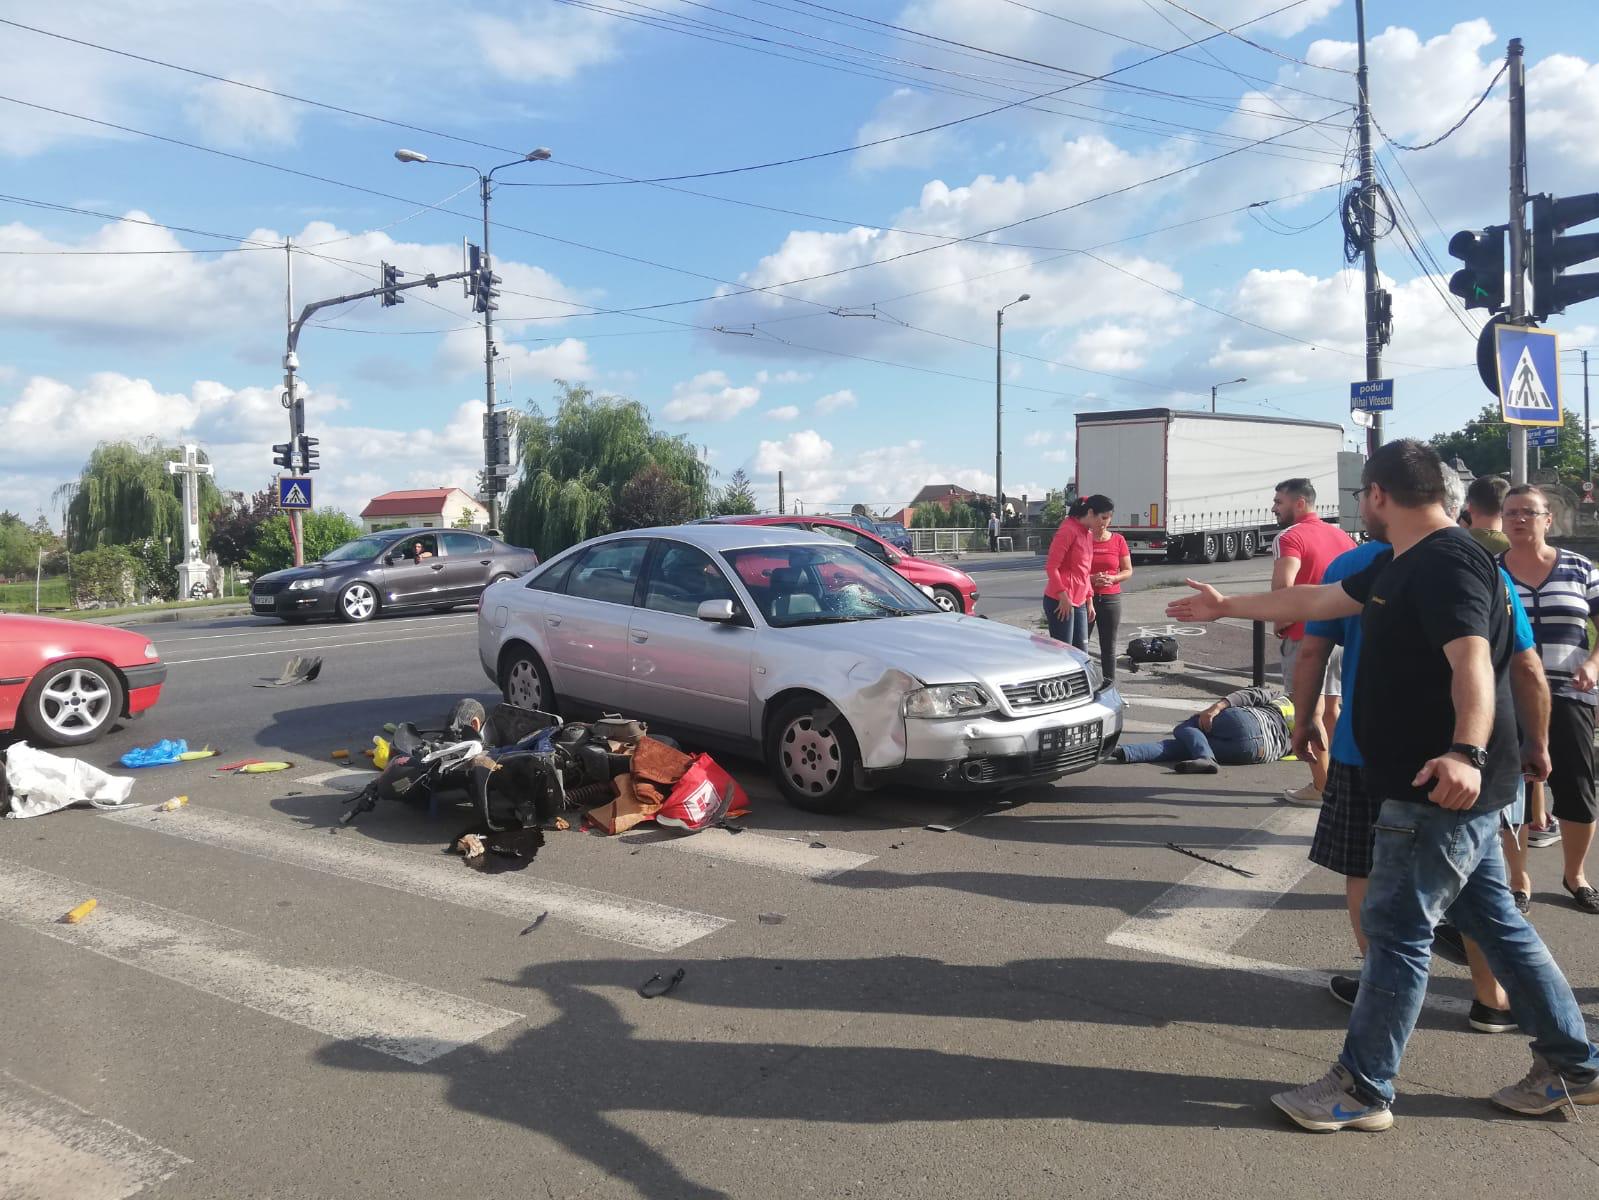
(193, 574)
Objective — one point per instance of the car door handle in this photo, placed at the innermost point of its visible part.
(485, 562)
(641, 638)
(553, 620)
(436, 567)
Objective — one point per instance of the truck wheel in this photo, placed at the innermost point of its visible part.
(1204, 548)
(1248, 545)
(1229, 547)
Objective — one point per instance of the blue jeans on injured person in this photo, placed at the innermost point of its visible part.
(1428, 861)
(1231, 740)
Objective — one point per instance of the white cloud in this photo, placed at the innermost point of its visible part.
(1039, 437)
(234, 117)
(1052, 456)
(800, 451)
(901, 111)
(461, 352)
(546, 43)
(1111, 347)
(784, 412)
(833, 401)
(764, 377)
(709, 396)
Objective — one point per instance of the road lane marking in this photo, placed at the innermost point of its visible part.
(638, 923)
(408, 1021)
(757, 850)
(343, 779)
(423, 637)
(51, 1149)
(1189, 706)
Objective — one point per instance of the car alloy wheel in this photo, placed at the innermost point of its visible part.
(71, 703)
(523, 687)
(358, 602)
(947, 600)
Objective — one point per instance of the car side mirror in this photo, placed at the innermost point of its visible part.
(388, 559)
(716, 610)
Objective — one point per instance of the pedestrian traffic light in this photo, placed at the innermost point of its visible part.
(1552, 288)
(283, 455)
(309, 454)
(391, 277)
(1481, 284)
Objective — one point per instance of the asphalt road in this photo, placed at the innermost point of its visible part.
(1047, 1001)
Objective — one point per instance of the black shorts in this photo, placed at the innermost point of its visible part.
(1343, 840)
(1571, 753)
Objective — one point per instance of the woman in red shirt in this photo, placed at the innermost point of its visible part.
(1068, 596)
(1110, 566)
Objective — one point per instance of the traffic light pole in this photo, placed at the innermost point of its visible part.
(291, 363)
(486, 183)
(1518, 230)
(1368, 184)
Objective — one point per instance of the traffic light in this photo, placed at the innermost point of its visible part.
(497, 437)
(1552, 253)
(1481, 284)
(283, 455)
(391, 277)
(486, 293)
(309, 454)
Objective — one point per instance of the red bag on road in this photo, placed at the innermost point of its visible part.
(703, 796)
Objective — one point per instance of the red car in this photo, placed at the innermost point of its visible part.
(64, 683)
(953, 591)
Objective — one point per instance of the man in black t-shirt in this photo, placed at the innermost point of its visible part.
(1436, 726)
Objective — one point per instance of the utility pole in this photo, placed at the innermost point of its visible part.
(291, 363)
(1587, 424)
(486, 183)
(781, 510)
(999, 405)
(1375, 317)
(1518, 231)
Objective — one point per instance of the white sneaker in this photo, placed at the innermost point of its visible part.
(1309, 795)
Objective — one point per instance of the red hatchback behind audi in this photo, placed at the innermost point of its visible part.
(64, 683)
(953, 591)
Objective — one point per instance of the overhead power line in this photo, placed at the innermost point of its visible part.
(1233, 33)
(1481, 100)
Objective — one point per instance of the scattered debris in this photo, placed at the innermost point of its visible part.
(724, 823)
(196, 755)
(470, 846)
(771, 918)
(37, 783)
(172, 805)
(1213, 862)
(262, 768)
(940, 828)
(296, 670)
(164, 753)
(818, 845)
(537, 921)
(649, 991)
(562, 824)
(898, 845)
(341, 754)
(240, 765)
(77, 914)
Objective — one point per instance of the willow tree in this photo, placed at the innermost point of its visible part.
(125, 494)
(576, 461)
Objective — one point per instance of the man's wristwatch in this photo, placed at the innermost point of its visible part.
(1476, 755)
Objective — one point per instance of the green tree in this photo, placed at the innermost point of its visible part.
(1054, 510)
(464, 521)
(652, 497)
(236, 526)
(928, 515)
(737, 499)
(125, 494)
(325, 530)
(576, 462)
(104, 576)
(1483, 445)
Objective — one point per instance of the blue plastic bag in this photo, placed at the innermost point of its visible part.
(161, 754)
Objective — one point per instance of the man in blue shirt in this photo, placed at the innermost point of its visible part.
(1343, 838)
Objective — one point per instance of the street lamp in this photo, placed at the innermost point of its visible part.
(486, 190)
(999, 396)
(1228, 383)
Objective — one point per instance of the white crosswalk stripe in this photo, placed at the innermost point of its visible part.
(638, 923)
(50, 1149)
(393, 1016)
(789, 856)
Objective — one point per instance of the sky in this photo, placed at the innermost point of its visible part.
(785, 227)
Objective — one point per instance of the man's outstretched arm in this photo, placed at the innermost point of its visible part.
(1323, 602)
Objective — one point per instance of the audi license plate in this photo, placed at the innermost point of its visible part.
(1053, 741)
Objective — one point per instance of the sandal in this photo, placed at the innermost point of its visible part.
(1584, 897)
(656, 986)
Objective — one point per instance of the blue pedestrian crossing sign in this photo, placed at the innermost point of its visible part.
(294, 493)
(1529, 375)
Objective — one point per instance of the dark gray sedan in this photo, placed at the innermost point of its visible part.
(395, 569)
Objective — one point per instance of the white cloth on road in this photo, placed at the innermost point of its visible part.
(42, 783)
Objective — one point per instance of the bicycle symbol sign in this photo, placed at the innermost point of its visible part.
(1145, 631)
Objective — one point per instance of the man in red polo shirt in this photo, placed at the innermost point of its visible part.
(1304, 548)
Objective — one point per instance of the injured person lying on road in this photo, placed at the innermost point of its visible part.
(1251, 725)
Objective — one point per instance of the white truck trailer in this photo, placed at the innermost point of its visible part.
(1198, 486)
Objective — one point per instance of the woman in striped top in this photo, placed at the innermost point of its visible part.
(1560, 591)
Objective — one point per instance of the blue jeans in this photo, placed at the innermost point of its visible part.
(1072, 628)
(1428, 860)
(1230, 741)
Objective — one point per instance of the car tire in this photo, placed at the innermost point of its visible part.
(524, 682)
(814, 768)
(71, 703)
(358, 603)
(948, 599)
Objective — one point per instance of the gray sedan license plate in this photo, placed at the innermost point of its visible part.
(1067, 737)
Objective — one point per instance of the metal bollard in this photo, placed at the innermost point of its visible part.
(1258, 636)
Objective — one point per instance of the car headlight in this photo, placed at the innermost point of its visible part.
(1096, 677)
(150, 651)
(947, 700)
(306, 585)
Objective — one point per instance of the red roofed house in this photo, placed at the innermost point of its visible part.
(428, 508)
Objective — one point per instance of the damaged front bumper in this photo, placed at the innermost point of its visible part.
(993, 750)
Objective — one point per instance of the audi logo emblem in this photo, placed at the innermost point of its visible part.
(1052, 691)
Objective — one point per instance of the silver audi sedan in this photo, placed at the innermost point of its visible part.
(801, 650)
